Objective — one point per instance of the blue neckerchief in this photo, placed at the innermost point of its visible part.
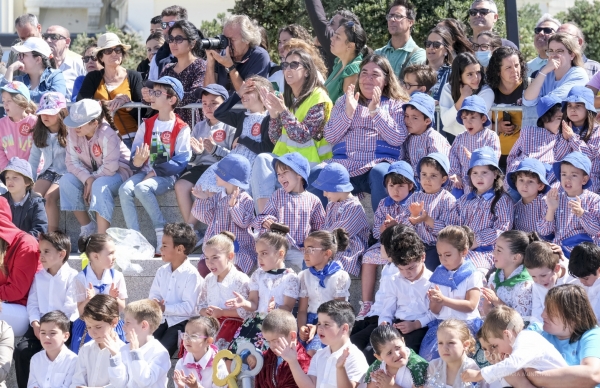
(388, 201)
(101, 287)
(487, 195)
(443, 277)
(329, 269)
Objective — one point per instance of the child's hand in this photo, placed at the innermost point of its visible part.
(284, 349)
(199, 193)
(467, 153)
(111, 344)
(267, 223)
(272, 304)
(351, 101)
(557, 250)
(471, 376)
(209, 144)
(416, 208)
(178, 378)
(191, 381)
(575, 205)
(341, 362)
(490, 296)
(382, 380)
(466, 91)
(214, 311)
(552, 199)
(251, 361)
(114, 291)
(132, 338)
(233, 199)
(567, 131)
(141, 155)
(303, 333)
(35, 325)
(197, 145)
(456, 181)
(407, 326)
(90, 292)
(237, 302)
(161, 304)
(150, 174)
(389, 221)
(435, 294)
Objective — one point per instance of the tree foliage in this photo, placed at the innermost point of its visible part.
(213, 27)
(529, 14)
(587, 16)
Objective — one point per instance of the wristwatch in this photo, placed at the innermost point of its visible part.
(228, 69)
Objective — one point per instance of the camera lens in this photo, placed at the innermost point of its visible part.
(217, 43)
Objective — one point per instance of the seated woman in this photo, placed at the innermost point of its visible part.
(91, 64)
(487, 42)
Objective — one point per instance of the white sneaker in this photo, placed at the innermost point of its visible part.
(365, 307)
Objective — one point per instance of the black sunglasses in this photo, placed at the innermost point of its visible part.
(547, 30)
(436, 45)
(89, 58)
(479, 11)
(177, 39)
(116, 50)
(53, 37)
(164, 25)
(292, 65)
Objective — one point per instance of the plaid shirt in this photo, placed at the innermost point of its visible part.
(350, 215)
(416, 147)
(474, 211)
(566, 224)
(303, 213)
(591, 149)
(528, 215)
(364, 141)
(459, 162)
(438, 206)
(219, 216)
(534, 142)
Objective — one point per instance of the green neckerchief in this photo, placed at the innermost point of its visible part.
(417, 366)
(523, 276)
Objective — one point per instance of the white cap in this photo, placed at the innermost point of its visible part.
(33, 44)
(82, 112)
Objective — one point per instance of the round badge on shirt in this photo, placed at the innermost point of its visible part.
(219, 135)
(96, 150)
(165, 137)
(256, 129)
(25, 129)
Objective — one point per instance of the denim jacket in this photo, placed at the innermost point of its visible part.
(54, 157)
(52, 81)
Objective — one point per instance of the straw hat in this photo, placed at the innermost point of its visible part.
(109, 40)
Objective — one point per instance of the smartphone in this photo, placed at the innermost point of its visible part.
(506, 116)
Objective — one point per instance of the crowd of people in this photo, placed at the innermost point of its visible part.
(485, 232)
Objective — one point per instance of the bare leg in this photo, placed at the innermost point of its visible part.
(82, 217)
(261, 203)
(183, 189)
(102, 224)
(52, 209)
(368, 277)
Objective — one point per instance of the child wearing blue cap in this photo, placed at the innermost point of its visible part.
(538, 142)
(232, 210)
(160, 153)
(423, 139)
(431, 207)
(473, 114)
(400, 185)
(293, 206)
(16, 126)
(579, 131)
(529, 180)
(487, 209)
(573, 214)
(344, 211)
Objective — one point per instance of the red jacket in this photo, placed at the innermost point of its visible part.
(149, 125)
(273, 376)
(21, 262)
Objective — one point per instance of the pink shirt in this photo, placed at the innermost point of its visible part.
(16, 139)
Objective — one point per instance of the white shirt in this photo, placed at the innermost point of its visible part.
(530, 350)
(179, 289)
(387, 272)
(322, 365)
(72, 67)
(475, 280)
(44, 373)
(403, 378)
(594, 296)
(144, 367)
(407, 300)
(436, 373)
(448, 111)
(277, 286)
(49, 293)
(205, 377)
(214, 293)
(92, 366)
(336, 286)
(84, 278)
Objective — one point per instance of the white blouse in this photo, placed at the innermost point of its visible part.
(277, 286)
(92, 366)
(214, 293)
(519, 296)
(83, 279)
(436, 374)
(475, 280)
(336, 286)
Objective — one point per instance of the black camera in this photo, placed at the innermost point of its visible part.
(217, 43)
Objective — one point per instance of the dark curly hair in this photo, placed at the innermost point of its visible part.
(403, 245)
(492, 74)
(296, 31)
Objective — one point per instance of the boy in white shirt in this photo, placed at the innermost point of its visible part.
(50, 290)
(54, 366)
(176, 285)
(584, 264)
(144, 362)
(341, 363)
(517, 348)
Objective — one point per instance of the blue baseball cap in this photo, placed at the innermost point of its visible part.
(170, 81)
(545, 103)
(234, 169)
(578, 160)
(334, 178)
(484, 156)
(214, 89)
(16, 87)
(401, 168)
(531, 165)
(438, 157)
(474, 104)
(298, 163)
(581, 94)
(423, 103)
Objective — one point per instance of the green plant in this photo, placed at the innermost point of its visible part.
(587, 16)
(529, 14)
(213, 27)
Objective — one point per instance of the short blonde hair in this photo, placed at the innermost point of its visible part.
(499, 319)
(145, 310)
(464, 334)
(222, 241)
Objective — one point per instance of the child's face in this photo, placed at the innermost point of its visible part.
(572, 179)
(503, 258)
(168, 250)
(450, 257)
(431, 179)
(398, 192)
(576, 112)
(15, 182)
(528, 187)
(415, 121)
(319, 257)
(335, 197)
(473, 121)
(589, 280)
(52, 337)
(87, 130)
(138, 327)
(99, 330)
(394, 353)
(289, 180)
(210, 103)
(488, 352)
(50, 256)
(545, 276)
(482, 178)
(152, 47)
(195, 340)
(163, 101)
(471, 76)
(328, 331)
(412, 271)
(105, 259)
(10, 107)
(251, 101)
(502, 347)
(270, 337)
(268, 257)
(450, 346)
(217, 260)
(411, 84)
(227, 186)
(49, 120)
(555, 326)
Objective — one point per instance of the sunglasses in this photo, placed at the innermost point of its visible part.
(89, 58)
(547, 30)
(164, 25)
(292, 65)
(116, 50)
(177, 39)
(436, 45)
(480, 11)
(53, 37)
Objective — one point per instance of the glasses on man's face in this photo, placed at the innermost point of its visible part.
(176, 39)
(192, 337)
(545, 30)
(157, 93)
(310, 250)
(555, 52)
(88, 58)
(479, 11)
(395, 17)
(53, 37)
(482, 47)
(164, 25)
(290, 65)
(436, 45)
(116, 50)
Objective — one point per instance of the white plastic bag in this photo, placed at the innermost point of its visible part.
(130, 245)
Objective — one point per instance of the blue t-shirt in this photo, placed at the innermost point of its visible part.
(587, 346)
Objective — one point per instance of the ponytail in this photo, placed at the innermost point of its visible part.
(276, 239)
(209, 325)
(107, 116)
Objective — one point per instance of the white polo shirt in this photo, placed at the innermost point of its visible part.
(72, 67)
